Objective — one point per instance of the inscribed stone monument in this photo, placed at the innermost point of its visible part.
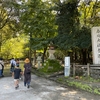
(95, 33)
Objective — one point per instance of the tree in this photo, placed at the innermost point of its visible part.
(67, 21)
(38, 20)
(88, 18)
(73, 31)
(15, 47)
(89, 13)
(8, 20)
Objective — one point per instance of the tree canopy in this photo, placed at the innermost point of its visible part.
(65, 23)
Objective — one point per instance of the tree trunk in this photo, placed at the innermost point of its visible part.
(84, 59)
(45, 49)
(75, 54)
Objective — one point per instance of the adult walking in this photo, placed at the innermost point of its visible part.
(27, 72)
(12, 64)
(1, 67)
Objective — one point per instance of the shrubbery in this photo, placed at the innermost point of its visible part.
(51, 66)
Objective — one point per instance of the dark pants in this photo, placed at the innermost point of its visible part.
(26, 83)
(2, 71)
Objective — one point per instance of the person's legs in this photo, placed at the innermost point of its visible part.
(25, 80)
(16, 83)
(24, 83)
(10, 69)
(28, 84)
(2, 72)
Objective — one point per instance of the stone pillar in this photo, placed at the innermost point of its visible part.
(95, 33)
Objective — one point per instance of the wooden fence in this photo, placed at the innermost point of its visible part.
(89, 70)
(85, 68)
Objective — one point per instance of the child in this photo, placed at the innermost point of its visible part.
(17, 72)
(17, 62)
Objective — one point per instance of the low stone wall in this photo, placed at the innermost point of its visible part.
(95, 72)
(82, 70)
(87, 70)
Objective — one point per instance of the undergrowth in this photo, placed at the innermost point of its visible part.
(80, 84)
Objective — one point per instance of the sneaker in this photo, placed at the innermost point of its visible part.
(2, 75)
(15, 88)
(28, 86)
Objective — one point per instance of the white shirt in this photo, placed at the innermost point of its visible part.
(13, 61)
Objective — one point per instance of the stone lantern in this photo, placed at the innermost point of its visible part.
(39, 59)
(51, 51)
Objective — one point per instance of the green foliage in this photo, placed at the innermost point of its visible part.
(74, 22)
(59, 54)
(80, 85)
(38, 20)
(83, 39)
(51, 66)
(14, 48)
(67, 21)
(97, 91)
(89, 13)
(89, 79)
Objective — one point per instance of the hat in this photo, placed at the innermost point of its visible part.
(27, 60)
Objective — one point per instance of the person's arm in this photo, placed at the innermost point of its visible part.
(21, 72)
(24, 69)
(3, 63)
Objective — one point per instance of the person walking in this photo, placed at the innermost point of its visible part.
(1, 67)
(27, 72)
(16, 74)
(12, 64)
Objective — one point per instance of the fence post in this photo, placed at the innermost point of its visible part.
(73, 69)
(88, 69)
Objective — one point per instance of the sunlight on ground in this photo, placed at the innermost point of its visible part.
(60, 88)
(6, 87)
(69, 93)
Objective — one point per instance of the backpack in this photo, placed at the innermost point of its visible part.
(12, 65)
(28, 70)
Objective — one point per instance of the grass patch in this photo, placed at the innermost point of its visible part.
(80, 83)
